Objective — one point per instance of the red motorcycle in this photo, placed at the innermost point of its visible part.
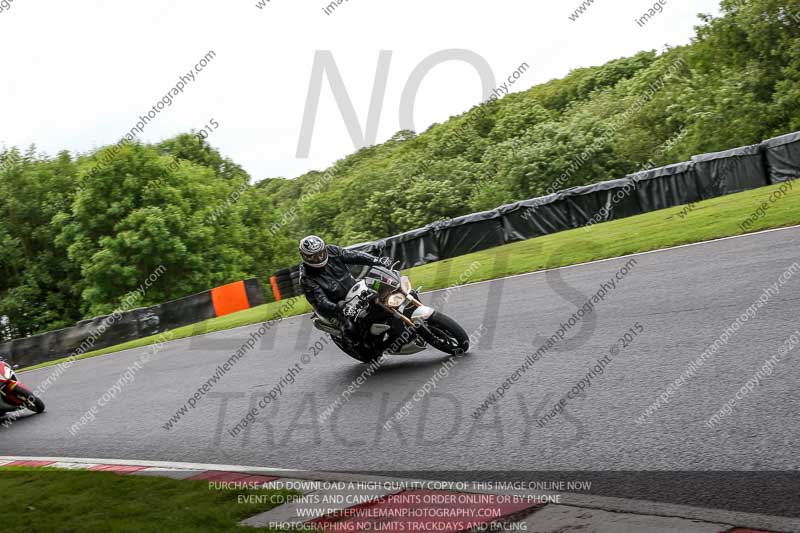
(13, 395)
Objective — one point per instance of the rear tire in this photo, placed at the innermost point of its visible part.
(444, 334)
(29, 399)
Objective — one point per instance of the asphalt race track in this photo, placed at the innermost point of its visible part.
(683, 299)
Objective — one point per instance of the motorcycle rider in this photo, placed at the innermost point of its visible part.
(325, 279)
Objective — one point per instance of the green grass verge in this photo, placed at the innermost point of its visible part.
(711, 219)
(37, 499)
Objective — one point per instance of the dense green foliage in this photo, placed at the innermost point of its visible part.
(74, 242)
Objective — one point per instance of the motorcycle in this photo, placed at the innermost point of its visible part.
(390, 318)
(13, 395)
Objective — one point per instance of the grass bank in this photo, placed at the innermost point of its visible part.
(711, 219)
(45, 499)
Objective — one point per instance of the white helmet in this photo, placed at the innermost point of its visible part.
(314, 252)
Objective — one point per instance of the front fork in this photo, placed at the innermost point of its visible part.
(8, 396)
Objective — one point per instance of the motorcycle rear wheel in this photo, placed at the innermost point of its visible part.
(445, 334)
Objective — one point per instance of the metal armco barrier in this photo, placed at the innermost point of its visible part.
(705, 176)
(105, 331)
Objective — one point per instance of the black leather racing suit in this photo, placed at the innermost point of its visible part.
(325, 287)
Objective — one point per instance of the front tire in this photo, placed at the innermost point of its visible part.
(29, 399)
(444, 334)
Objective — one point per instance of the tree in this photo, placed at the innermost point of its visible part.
(143, 213)
(37, 280)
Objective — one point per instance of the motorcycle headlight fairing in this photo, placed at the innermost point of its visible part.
(395, 300)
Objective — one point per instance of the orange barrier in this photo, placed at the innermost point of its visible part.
(275, 291)
(230, 298)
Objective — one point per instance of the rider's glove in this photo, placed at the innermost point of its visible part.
(386, 261)
(350, 311)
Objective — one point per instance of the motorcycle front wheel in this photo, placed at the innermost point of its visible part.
(29, 399)
(445, 334)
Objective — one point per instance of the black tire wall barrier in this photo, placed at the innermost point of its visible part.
(104, 331)
(783, 157)
(705, 176)
(730, 171)
(668, 186)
